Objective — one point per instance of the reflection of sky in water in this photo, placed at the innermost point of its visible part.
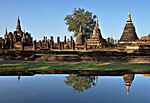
(51, 88)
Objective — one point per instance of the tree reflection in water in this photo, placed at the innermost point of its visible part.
(81, 83)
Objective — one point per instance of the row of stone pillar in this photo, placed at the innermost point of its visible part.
(50, 43)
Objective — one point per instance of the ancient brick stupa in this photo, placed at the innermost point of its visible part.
(17, 40)
(129, 32)
(96, 40)
(80, 37)
(80, 40)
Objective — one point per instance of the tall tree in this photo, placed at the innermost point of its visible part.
(82, 18)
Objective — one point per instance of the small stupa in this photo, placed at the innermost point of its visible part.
(96, 40)
(80, 37)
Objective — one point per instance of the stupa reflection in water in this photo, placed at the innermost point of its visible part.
(128, 78)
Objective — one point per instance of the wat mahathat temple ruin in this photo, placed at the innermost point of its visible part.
(129, 41)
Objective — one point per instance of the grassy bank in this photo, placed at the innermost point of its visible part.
(73, 66)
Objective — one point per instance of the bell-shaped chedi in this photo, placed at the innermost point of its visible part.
(96, 40)
(96, 32)
(80, 37)
(129, 32)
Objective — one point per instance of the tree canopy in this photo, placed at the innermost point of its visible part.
(83, 18)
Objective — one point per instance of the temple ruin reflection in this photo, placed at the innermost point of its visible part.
(79, 82)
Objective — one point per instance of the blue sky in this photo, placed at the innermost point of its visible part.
(46, 17)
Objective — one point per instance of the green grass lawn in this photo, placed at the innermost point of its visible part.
(72, 66)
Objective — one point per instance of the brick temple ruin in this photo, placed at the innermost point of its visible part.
(23, 41)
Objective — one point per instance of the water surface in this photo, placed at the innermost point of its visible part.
(71, 88)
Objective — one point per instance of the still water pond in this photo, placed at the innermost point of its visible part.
(68, 88)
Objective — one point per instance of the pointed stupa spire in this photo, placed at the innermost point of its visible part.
(5, 35)
(18, 27)
(96, 21)
(129, 17)
(6, 31)
(19, 77)
(18, 21)
(128, 89)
